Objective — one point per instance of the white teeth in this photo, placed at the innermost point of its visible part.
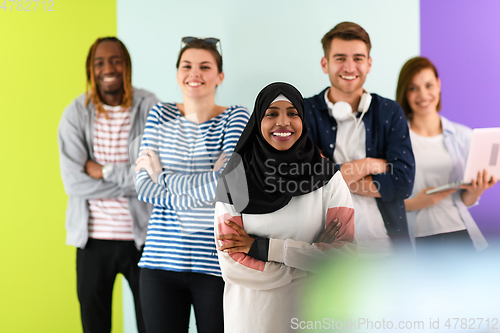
(194, 84)
(348, 77)
(282, 134)
(109, 79)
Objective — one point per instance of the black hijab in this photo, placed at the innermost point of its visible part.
(260, 179)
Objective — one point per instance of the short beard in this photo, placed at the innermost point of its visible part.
(112, 92)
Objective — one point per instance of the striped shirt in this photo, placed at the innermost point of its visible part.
(180, 233)
(110, 218)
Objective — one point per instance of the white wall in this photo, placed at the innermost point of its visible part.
(264, 41)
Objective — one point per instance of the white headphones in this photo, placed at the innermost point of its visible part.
(342, 111)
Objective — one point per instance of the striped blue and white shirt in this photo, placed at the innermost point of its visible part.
(180, 233)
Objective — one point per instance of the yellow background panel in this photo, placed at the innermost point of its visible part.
(42, 68)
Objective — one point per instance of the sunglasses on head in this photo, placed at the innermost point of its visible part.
(210, 40)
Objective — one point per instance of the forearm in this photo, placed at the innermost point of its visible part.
(469, 198)
(200, 186)
(414, 204)
(366, 187)
(150, 192)
(304, 256)
(77, 182)
(355, 170)
(373, 176)
(241, 269)
(73, 159)
(423, 200)
(244, 271)
(123, 176)
(89, 188)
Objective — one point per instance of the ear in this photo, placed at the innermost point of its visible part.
(220, 78)
(369, 64)
(324, 65)
(439, 83)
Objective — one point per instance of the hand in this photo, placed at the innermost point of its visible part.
(93, 169)
(365, 186)
(220, 162)
(238, 243)
(330, 233)
(422, 200)
(355, 170)
(149, 162)
(477, 187)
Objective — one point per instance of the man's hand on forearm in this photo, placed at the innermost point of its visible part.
(366, 187)
(93, 169)
(357, 170)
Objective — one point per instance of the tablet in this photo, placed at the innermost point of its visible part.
(484, 153)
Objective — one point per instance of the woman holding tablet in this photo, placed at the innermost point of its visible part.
(440, 147)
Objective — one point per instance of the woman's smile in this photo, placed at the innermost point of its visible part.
(281, 125)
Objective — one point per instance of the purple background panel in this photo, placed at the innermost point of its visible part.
(462, 38)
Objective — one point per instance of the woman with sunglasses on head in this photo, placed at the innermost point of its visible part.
(182, 154)
(280, 207)
(440, 146)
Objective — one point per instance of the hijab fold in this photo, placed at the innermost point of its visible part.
(260, 179)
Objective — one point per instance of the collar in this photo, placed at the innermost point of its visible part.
(329, 105)
(112, 108)
(447, 125)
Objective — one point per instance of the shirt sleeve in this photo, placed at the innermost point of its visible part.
(180, 191)
(241, 269)
(305, 256)
(124, 175)
(149, 191)
(74, 154)
(202, 186)
(398, 182)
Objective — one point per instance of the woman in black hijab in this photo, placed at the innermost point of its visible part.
(278, 188)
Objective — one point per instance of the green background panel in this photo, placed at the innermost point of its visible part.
(42, 68)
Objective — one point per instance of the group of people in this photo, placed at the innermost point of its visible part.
(229, 212)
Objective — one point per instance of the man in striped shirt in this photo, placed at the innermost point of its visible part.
(104, 219)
